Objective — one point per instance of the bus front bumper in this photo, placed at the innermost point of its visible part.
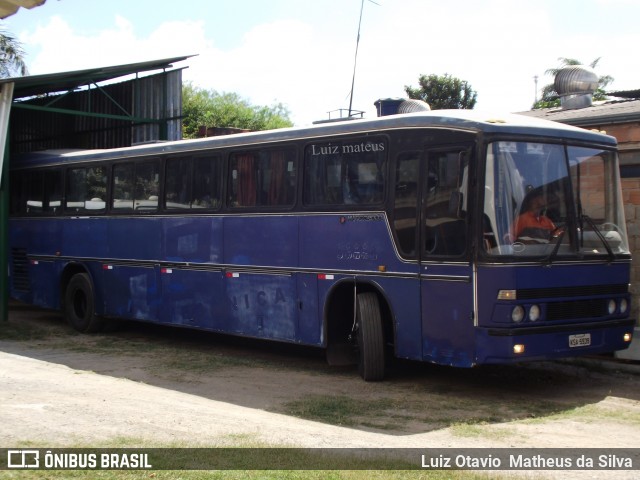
(510, 345)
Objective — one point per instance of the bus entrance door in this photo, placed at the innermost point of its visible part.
(447, 314)
(446, 274)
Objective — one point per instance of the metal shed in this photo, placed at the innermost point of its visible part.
(84, 109)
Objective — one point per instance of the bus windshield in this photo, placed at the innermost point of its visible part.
(550, 200)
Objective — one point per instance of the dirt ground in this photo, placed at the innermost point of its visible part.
(164, 386)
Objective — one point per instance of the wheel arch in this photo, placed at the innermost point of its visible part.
(339, 310)
(71, 269)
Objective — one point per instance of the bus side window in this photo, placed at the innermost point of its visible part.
(243, 180)
(206, 183)
(277, 178)
(445, 222)
(86, 190)
(147, 186)
(322, 179)
(18, 189)
(405, 208)
(177, 189)
(135, 187)
(265, 178)
(52, 191)
(35, 192)
(351, 172)
(122, 188)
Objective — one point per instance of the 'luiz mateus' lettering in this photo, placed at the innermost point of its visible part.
(361, 147)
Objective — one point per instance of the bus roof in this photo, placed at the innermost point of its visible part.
(470, 120)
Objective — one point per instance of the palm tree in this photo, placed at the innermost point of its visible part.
(11, 56)
(549, 94)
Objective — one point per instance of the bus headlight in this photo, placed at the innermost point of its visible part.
(534, 313)
(611, 307)
(623, 305)
(517, 314)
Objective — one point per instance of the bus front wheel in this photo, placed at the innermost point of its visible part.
(79, 304)
(370, 337)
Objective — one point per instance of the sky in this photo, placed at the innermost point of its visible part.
(301, 53)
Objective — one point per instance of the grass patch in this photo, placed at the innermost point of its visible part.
(338, 409)
(464, 416)
(25, 332)
(483, 430)
(592, 413)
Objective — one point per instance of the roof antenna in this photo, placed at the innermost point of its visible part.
(355, 60)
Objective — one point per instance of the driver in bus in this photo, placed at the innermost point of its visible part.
(533, 224)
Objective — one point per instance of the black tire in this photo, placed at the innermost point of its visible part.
(79, 304)
(370, 337)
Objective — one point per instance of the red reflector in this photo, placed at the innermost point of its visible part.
(232, 275)
(107, 267)
(324, 276)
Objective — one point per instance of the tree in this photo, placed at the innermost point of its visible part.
(550, 97)
(443, 92)
(12, 62)
(212, 109)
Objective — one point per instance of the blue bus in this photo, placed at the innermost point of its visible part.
(400, 236)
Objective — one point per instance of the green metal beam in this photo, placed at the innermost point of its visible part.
(65, 111)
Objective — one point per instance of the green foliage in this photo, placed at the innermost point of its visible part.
(11, 56)
(212, 109)
(444, 91)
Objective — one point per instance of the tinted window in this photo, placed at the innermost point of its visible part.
(177, 189)
(264, 178)
(38, 192)
(192, 183)
(445, 202)
(122, 188)
(17, 184)
(406, 201)
(86, 190)
(135, 187)
(351, 172)
(206, 183)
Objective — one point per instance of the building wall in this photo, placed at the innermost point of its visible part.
(631, 198)
(628, 136)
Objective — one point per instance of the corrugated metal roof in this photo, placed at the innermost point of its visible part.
(626, 93)
(9, 7)
(64, 81)
(607, 112)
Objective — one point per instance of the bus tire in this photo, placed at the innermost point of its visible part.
(370, 337)
(79, 304)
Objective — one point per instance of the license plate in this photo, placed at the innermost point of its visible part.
(580, 340)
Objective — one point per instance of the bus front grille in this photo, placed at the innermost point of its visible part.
(594, 308)
(571, 291)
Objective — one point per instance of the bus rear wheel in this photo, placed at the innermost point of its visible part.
(370, 337)
(79, 304)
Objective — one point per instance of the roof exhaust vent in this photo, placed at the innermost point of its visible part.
(575, 85)
(398, 106)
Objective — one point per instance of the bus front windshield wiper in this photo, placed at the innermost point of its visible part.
(598, 233)
(558, 241)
